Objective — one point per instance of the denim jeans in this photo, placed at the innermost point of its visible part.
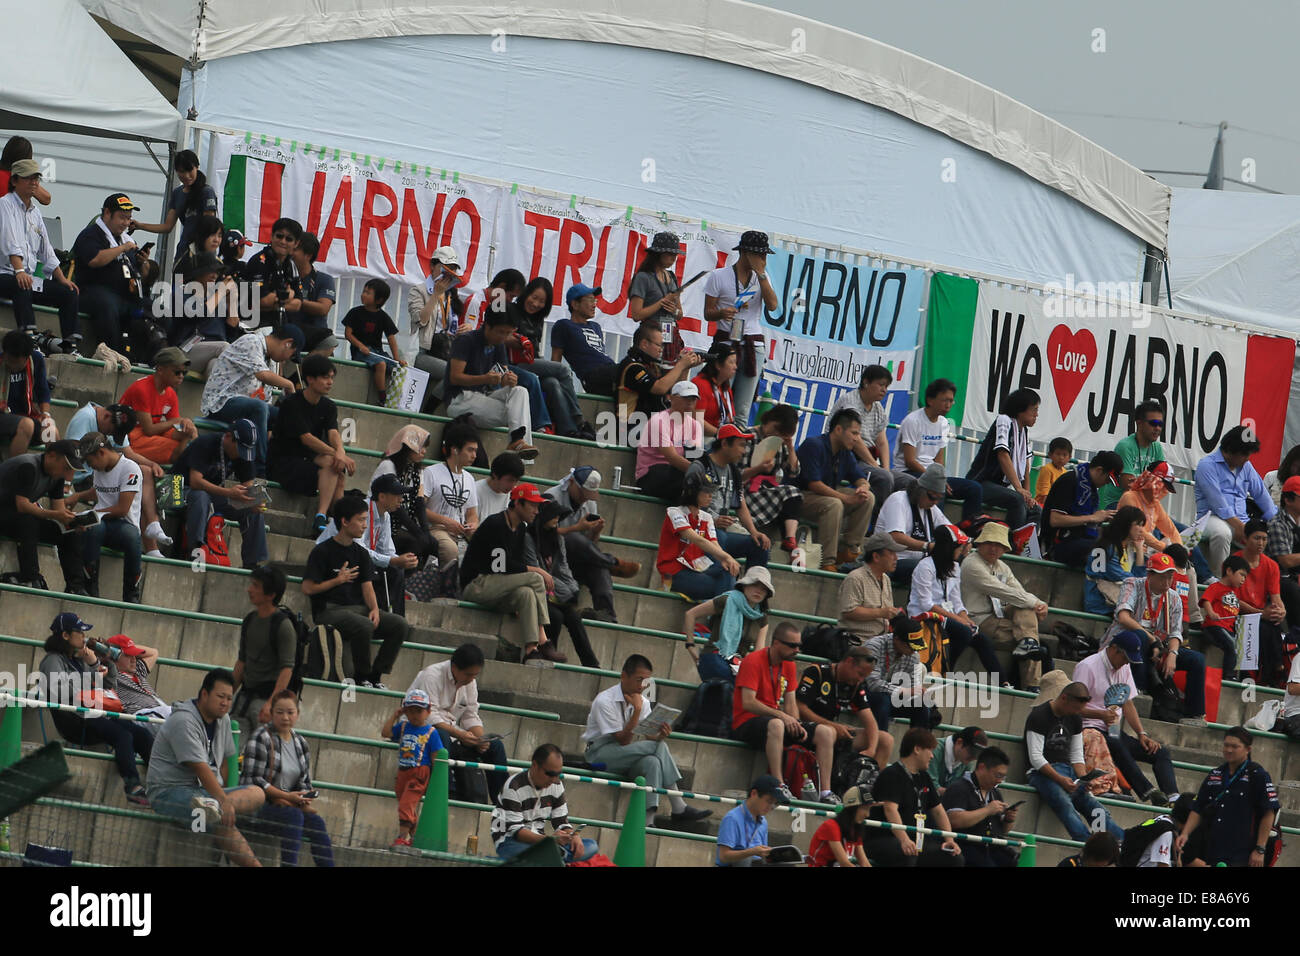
(121, 535)
(971, 494)
(1018, 513)
(262, 414)
(1127, 751)
(509, 848)
(703, 585)
(126, 737)
(1078, 810)
(290, 824)
(541, 415)
(1220, 638)
(743, 548)
(1190, 661)
(200, 506)
(561, 400)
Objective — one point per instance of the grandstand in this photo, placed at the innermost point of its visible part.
(193, 618)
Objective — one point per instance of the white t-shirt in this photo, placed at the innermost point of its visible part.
(1160, 851)
(927, 437)
(724, 285)
(928, 590)
(110, 485)
(490, 502)
(1291, 702)
(609, 713)
(896, 515)
(446, 494)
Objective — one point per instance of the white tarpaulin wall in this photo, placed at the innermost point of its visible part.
(1237, 255)
(64, 73)
(745, 128)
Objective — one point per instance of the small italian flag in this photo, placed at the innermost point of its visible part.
(252, 199)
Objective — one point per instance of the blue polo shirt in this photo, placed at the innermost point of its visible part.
(741, 830)
(818, 463)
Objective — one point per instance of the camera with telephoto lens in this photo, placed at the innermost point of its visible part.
(47, 343)
(107, 650)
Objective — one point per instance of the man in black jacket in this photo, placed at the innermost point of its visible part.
(493, 572)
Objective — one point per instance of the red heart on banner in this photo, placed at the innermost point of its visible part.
(1070, 356)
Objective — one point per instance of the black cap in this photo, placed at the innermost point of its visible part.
(755, 241)
(69, 450)
(388, 485)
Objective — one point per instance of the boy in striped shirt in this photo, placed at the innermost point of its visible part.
(528, 800)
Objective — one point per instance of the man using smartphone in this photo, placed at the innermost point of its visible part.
(976, 806)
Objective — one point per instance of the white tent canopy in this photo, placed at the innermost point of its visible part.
(64, 73)
(726, 31)
(1237, 256)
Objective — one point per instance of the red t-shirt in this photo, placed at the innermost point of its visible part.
(143, 396)
(713, 401)
(768, 682)
(1223, 602)
(1262, 582)
(820, 848)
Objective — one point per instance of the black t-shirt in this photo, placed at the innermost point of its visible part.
(1057, 732)
(370, 327)
(914, 793)
(828, 698)
(528, 324)
(1062, 498)
(24, 475)
(274, 274)
(90, 242)
(472, 348)
(206, 456)
(494, 541)
(299, 417)
(965, 795)
(324, 563)
(638, 373)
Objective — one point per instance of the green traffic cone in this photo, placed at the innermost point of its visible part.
(11, 735)
(431, 828)
(1029, 853)
(631, 841)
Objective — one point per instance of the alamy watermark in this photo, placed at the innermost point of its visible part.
(1098, 300)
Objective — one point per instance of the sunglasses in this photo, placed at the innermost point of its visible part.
(282, 235)
(1156, 422)
(790, 644)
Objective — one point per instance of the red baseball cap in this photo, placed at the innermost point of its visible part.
(1291, 485)
(526, 492)
(1159, 563)
(1162, 471)
(731, 431)
(127, 645)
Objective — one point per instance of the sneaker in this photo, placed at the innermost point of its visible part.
(378, 685)
(691, 814)
(828, 796)
(1156, 798)
(783, 794)
(317, 526)
(548, 652)
(547, 429)
(1194, 722)
(587, 433)
(402, 841)
(137, 796)
(524, 450)
(211, 809)
(625, 569)
(599, 614)
(366, 683)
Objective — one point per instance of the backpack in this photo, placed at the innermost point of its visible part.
(709, 713)
(799, 763)
(854, 770)
(322, 655)
(934, 655)
(303, 637)
(826, 640)
(1138, 838)
(1072, 644)
(1166, 701)
(214, 542)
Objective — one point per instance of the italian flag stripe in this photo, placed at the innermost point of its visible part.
(950, 323)
(269, 210)
(233, 204)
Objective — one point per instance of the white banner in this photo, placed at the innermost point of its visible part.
(375, 218)
(1248, 642)
(1092, 370)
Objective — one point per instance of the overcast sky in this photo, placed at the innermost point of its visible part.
(1170, 73)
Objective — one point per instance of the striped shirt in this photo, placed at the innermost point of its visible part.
(523, 805)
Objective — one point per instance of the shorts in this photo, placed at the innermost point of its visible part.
(298, 475)
(375, 357)
(754, 733)
(160, 449)
(175, 802)
(9, 424)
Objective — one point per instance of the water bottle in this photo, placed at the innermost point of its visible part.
(618, 477)
(808, 792)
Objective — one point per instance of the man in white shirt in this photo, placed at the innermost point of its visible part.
(29, 270)
(452, 687)
(581, 527)
(613, 729)
(872, 446)
(911, 517)
(735, 298)
(923, 437)
(493, 492)
(116, 492)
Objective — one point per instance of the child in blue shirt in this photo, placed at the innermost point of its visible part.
(411, 728)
